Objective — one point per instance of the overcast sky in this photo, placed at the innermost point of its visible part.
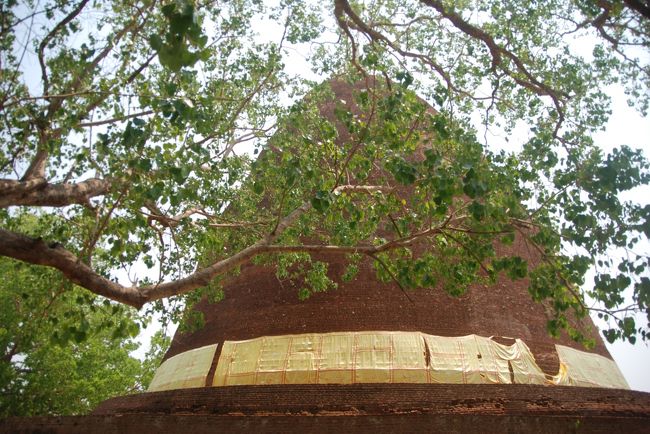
(626, 126)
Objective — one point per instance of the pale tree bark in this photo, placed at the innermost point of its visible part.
(37, 192)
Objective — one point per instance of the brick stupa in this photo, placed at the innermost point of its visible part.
(259, 307)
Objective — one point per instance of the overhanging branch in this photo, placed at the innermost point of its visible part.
(38, 252)
(37, 192)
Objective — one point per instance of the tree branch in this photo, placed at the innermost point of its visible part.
(37, 167)
(36, 251)
(41, 48)
(639, 6)
(343, 6)
(117, 119)
(392, 276)
(37, 192)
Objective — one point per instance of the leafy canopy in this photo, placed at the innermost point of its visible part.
(64, 350)
(135, 144)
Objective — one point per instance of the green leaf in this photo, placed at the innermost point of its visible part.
(403, 171)
(477, 210)
(322, 200)
(155, 41)
(258, 187)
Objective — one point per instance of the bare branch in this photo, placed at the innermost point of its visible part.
(113, 120)
(44, 43)
(36, 251)
(37, 192)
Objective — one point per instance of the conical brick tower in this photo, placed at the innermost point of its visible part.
(257, 303)
(367, 356)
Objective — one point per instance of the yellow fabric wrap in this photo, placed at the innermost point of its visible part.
(380, 357)
(579, 368)
(523, 364)
(341, 358)
(475, 360)
(374, 357)
(184, 370)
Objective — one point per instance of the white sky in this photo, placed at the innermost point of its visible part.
(626, 126)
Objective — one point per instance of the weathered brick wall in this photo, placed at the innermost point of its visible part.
(415, 423)
(382, 399)
(258, 304)
(362, 408)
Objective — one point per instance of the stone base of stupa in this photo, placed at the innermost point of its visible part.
(327, 408)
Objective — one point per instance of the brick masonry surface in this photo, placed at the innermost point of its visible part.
(258, 304)
(361, 408)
